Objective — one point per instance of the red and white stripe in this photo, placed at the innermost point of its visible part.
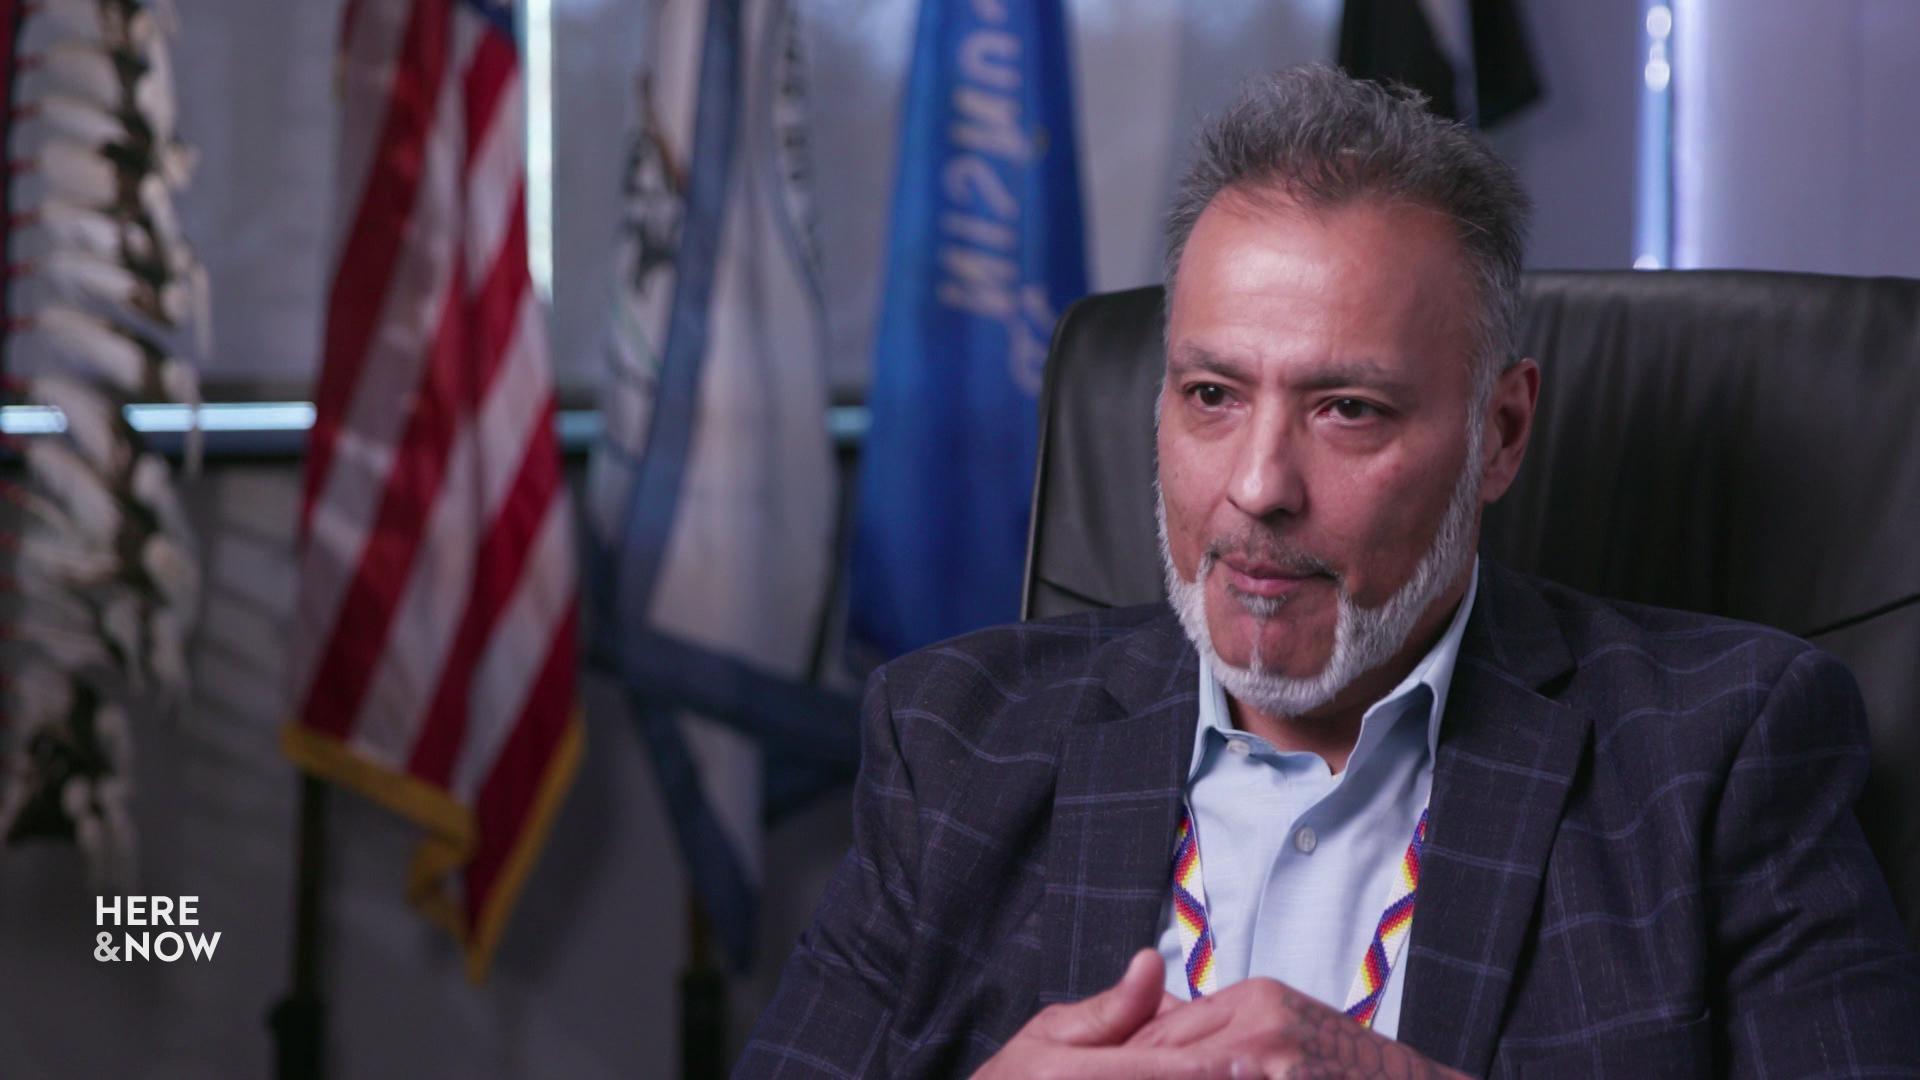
(437, 601)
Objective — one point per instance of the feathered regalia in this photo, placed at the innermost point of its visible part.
(105, 304)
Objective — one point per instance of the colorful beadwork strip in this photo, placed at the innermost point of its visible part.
(1190, 908)
(1376, 966)
(1390, 936)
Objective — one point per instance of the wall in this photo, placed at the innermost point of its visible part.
(1794, 135)
(1575, 149)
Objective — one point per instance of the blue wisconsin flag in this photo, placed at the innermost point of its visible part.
(986, 250)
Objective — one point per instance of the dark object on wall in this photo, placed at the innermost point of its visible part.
(1735, 443)
(1393, 40)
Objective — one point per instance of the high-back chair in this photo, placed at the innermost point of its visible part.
(1737, 443)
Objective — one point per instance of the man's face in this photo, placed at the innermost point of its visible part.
(1314, 423)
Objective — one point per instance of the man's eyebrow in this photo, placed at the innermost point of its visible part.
(1188, 359)
(1365, 374)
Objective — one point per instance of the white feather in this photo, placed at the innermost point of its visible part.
(72, 226)
(180, 380)
(77, 173)
(137, 248)
(93, 422)
(174, 570)
(118, 23)
(83, 275)
(44, 516)
(110, 727)
(66, 635)
(80, 119)
(154, 95)
(91, 125)
(105, 22)
(46, 556)
(175, 163)
(181, 383)
(120, 624)
(71, 650)
(41, 695)
(153, 488)
(54, 602)
(62, 473)
(97, 807)
(106, 231)
(110, 353)
(202, 288)
(115, 870)
(167, 652)
(75, 16)
(176, 302)
(76, 798)
(85, 69)
(78, 275)
(89, 831)
(157, 201)
(111, 790)
(163, 20)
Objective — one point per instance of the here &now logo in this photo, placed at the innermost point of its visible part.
(168, 945)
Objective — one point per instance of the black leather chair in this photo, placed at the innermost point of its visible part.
(1744, 444)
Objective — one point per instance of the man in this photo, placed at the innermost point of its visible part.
(1355, 802)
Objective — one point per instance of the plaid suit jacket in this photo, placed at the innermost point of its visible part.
(1642, 858)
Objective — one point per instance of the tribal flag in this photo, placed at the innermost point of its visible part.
(1469, 57)
(986, 251)
(434, 657)
(712, 493)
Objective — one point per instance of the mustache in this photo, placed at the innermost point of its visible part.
(1259, 546)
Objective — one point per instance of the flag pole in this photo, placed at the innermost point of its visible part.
(703, 1001)
(299, 1019)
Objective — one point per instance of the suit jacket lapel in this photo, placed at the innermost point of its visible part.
(1507, 760)
(1122, 769)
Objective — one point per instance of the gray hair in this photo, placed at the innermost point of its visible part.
(1323, 140)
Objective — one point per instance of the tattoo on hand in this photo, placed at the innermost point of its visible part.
(1333, 1046)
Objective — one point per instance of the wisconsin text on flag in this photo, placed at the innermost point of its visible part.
(985, 251)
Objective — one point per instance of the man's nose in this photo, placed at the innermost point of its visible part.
(1267, 478)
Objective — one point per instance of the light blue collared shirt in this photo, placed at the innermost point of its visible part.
(1297, 862)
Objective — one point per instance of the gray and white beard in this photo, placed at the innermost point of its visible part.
(1363, 638)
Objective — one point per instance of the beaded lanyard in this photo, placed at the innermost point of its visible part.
(1389, 935)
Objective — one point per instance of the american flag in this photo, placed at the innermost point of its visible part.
(434, 659)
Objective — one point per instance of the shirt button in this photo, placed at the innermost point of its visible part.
(1305, 840)
(1238, 747)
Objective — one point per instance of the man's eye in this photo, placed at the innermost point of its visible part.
(1347, 408)
(1210, 395)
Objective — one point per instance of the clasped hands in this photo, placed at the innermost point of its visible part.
(1134, 1030)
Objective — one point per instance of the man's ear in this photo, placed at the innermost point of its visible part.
(1509, 424)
